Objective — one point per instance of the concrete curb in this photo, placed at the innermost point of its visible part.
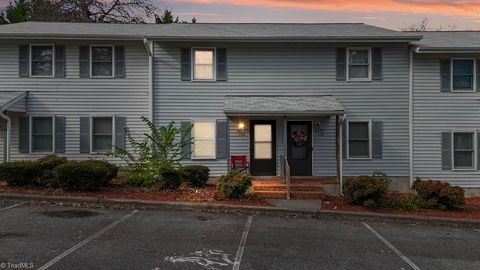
(252, 210)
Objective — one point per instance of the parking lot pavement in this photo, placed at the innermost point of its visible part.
(74, 238)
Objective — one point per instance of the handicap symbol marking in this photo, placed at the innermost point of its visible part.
(207, 258)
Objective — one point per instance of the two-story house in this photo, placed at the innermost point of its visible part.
(329, 100)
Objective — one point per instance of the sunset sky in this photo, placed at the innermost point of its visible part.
(464, 14)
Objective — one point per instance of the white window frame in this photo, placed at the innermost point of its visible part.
(369, 122)
(474, 167)
(214, 156)
(192, 72)
(369, 64)
(30, 134)
(91, 61)
(474, 78)
(91, 131)
(31, 61)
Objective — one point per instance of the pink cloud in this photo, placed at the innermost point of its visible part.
(462, 8)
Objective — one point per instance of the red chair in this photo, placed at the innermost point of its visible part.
(239, 163)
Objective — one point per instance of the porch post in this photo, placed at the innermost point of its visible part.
(337, 147)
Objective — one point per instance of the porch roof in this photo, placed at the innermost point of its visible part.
(12, 101)
(283, 105)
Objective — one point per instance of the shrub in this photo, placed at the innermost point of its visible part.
(195, 175)
(75, 175)
(112, 169)
(404, 201)
(382, 176)
(438, 194)
(169, 179)
(235, 184)
(20, 173)
(138, 179)
(368, 191)
(47, 164)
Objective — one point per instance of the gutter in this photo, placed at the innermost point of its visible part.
(149, 49)
(9, 134)
(418, 49)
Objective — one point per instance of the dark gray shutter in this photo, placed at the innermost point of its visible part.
(377, 64)
(221, 64)
(186, 69)
(84, 61)
(120, 61)
(59, 134)
(445, 75)
(341, 64)
(478, 75)
(377, 139)
(221, 139)
(85, 134)
(24, 134)
(187, 134)
(60, 61)
(23, 60)
(446, 150)
(120, 125)
(478, 150)
(344, 139)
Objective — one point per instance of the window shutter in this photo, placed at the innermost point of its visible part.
(84, 58)
(23, 60)
(221, 64)
(377, 139)
(24, 134)
(478, 75)
(120, 61)
(446, 150)
(344, 139)
(445, 75)
(341, 64)
(120, 125)
(60, 61)
(222, 145)
(59, 134)
(186, 68)
(377, 64)
(187, 134)
(85, 134)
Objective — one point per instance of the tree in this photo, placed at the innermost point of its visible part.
(424, 26)
(167, 17)
(14, 13)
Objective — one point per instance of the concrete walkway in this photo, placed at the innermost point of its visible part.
(297, 204)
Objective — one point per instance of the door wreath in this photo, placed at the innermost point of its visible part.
(299, 138)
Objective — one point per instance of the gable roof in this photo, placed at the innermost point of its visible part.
(207, 31)
(449, 41)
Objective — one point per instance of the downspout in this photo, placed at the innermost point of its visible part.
(149, 48)
(410, 117)
(9, 133)
(342, 118)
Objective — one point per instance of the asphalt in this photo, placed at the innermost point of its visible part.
(53, 237)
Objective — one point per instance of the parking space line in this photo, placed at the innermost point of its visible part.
(85, 241)
(241, 247)
(477, 230)
(10, 207)
(394, 249)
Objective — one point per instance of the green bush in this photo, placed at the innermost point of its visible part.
(169, 179)
(47, 164)
(368, 191)
(382, 176)
(112, 169)
(137, 179)
(195, 175)
(75, 175)
(438, 194)
(405, 201)
(20, 173)
(235, 184)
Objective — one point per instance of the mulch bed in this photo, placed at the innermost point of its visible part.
(184, 194)
(470, 211)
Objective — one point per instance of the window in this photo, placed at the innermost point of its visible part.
(262, 142)
(359, 139)
(102, 134)
(358, 64)
(102, 61)
(42, 134)
(203, 64)
(463, 74)
(41, 60)
(204, 139)
(463, 150)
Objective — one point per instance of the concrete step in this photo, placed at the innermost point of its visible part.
(271, 194)
(270, 187)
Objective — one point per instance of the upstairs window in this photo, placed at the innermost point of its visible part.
(359, 64)
(41, 60)
(203, 64)
(359, 140)
(102, 61)
(42, 134)
(463, 150)
(463, 74)
(204, 140)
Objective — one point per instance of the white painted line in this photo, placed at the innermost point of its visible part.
(10, 207)
(85, 241)
(241, 247)
(477, 230)
(400, 254)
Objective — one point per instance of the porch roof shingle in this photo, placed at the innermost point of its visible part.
(12, 100)
(282, 105)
